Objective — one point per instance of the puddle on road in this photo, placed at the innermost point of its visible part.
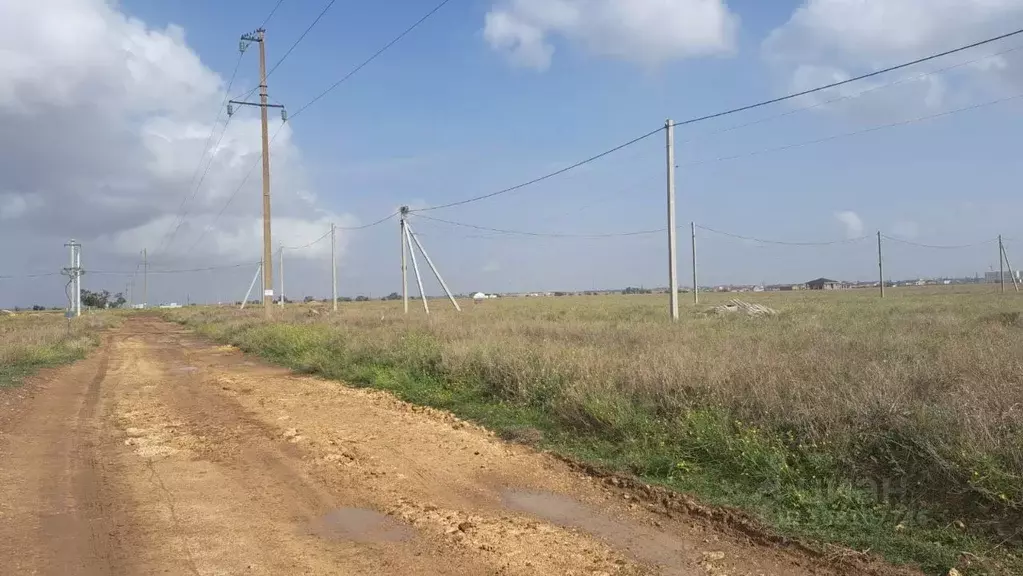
(360, 525)
(646, 544)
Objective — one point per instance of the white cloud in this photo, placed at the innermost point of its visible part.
(645, 31)
(828, 40)
(906, 229)
(104, 121)
(852, 222)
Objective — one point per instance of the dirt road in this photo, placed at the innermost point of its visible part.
(164, 454)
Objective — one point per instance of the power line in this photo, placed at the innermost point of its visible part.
(39, 275)
(371, 224)
(726, 113)
(543, 234)
(271, 14)
(304, 246)
(375, 55)
(854, 133)
(365, 63)
(544, 177)
(850, 80)
(780, 242)
(206, 148)
(856, 95)
(939, 247)
(300, 38)
(184, 271)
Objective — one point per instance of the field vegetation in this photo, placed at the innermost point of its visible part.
(894, 426)
(33, 340)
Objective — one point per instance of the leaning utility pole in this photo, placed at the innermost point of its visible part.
(333, 265)
(1012, 275)
(669, 133)
(268, 276)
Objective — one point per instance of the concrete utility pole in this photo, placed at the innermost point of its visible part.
(268, 276)
(145, 278)
(669, 134)
(1012, 275)
(696, 285)
(436, 272)
(415, 268)
(880, 264)
(404, 264)
(1001, 267)
(333, 265)
(248, 292)
(74, 273)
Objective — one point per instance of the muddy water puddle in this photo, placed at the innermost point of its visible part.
(360, 525)
(646, 544)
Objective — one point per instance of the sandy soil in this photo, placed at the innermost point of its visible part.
(164, 454)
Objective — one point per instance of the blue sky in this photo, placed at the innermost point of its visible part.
(449, 113)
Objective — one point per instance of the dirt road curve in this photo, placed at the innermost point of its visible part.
(163, 454)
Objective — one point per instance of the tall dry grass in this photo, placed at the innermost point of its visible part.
(922, 390)
(31, 340)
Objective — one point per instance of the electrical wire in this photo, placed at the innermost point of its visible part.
(206, 269)
(271, 14)
(544, 177)
(206, 149)
(853, 133)
(852, 96)
(39, 275)
(300, 38)
(543, 234)
(939, 247)
(304, 107)
(304, 246)
(371, 224)
(726, 113)
(375, 55)
(851, 80)
(780, 242)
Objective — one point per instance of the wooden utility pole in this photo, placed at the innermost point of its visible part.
(281, 271)
(669, 135)
(259, 37)
(880, 265)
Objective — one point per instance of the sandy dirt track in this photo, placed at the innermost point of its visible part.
(164, 454)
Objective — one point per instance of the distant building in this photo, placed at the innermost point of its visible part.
(823, 284)
(995, 277)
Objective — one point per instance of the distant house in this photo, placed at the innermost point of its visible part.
(823, 284)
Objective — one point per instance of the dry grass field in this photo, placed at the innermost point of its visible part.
(32, 340)
(892, 425)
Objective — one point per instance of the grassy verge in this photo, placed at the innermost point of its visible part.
(845, 439)
(33, 340)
